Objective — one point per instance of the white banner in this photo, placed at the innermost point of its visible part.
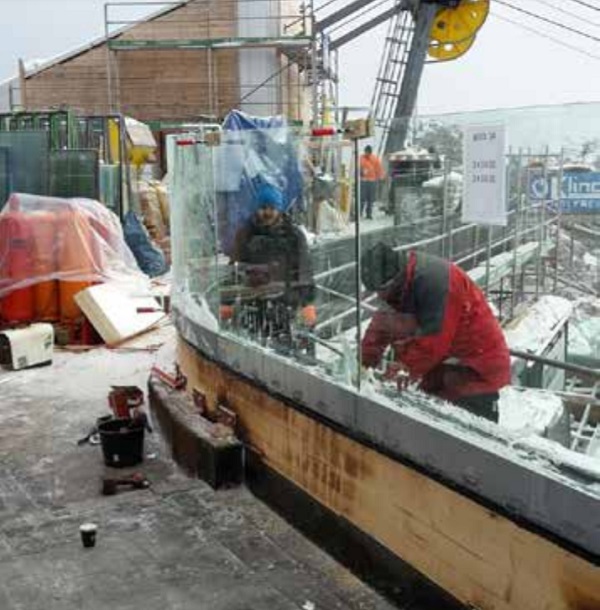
(484, 200)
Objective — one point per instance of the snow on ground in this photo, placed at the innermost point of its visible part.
(89, 374)
(380, 220)
(590, 260)
(528, 411)
(531, 331)
(584, 328)
(560, 456)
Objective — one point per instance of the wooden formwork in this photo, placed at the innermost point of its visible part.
(480, 557)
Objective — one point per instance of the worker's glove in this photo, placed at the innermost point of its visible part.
(397, 372)
(308, 315)
(226, 312)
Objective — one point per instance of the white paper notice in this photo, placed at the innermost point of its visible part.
(484, 199)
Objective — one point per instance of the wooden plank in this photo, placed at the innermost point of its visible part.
(478, 556)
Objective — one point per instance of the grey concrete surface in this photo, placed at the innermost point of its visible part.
(177, 546)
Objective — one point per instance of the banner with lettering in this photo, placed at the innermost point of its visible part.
(579, 193)
(484, 200)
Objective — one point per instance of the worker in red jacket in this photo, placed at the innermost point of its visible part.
(440, 326)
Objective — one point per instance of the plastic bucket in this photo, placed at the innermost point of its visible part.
(122, 442)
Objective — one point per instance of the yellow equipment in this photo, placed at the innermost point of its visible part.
(454, 29)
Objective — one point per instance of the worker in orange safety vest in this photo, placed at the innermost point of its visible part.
(371, 172)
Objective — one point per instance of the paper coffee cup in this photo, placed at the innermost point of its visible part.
(88, 534)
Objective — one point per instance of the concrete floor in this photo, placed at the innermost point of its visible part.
(176, 546)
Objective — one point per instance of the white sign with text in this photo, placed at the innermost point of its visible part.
(484, 200)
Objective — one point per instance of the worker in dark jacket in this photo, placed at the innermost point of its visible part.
(440, 327)
(271, 255)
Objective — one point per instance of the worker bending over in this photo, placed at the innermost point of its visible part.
(440, 326)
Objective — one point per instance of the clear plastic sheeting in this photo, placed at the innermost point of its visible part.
(254, 153)
(75, 242)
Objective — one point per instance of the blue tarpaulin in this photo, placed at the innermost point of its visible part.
(255, 151)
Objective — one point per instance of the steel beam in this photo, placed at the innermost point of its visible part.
(369, 25)
(341, 14)
(412, 77)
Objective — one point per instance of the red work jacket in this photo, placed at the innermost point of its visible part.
(454, 322)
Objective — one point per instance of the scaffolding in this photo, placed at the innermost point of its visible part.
(271, 39)
(297, 42)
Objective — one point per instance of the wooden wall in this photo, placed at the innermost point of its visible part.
(153, 84)
(477, 555)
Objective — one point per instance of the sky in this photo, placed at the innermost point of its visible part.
(508, 65)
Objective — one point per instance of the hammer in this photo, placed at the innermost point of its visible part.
(135, 481)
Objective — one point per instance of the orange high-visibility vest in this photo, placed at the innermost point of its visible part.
(371, 168)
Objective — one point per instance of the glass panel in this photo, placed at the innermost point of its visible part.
(74, 173)
(550, 165)
(260, 270)
(5, 174)
(25, 162)
(110, 186)
(265, 249)
(268, 293)
(194, 230)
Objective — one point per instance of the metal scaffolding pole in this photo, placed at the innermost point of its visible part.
(314, 71)
(488, 254)
(542, 233)
(445, 242)
(108, 62)
(513, 279)
(558, 218)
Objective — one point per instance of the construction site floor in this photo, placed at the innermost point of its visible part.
(176, 546)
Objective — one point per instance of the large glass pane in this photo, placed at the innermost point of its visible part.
(194, 230)
(265, 249)
(74, 173)
(262, 242)
(519, 252)
(25, 163)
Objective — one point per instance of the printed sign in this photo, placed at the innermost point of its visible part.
(580, 193)
(484, 201)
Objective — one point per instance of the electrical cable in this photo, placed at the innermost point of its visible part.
(546, 20)
(586, 4)
(547, 36)
(570, 13)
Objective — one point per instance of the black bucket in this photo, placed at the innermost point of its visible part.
(122, 442)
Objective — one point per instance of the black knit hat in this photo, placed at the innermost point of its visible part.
(379, 265)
